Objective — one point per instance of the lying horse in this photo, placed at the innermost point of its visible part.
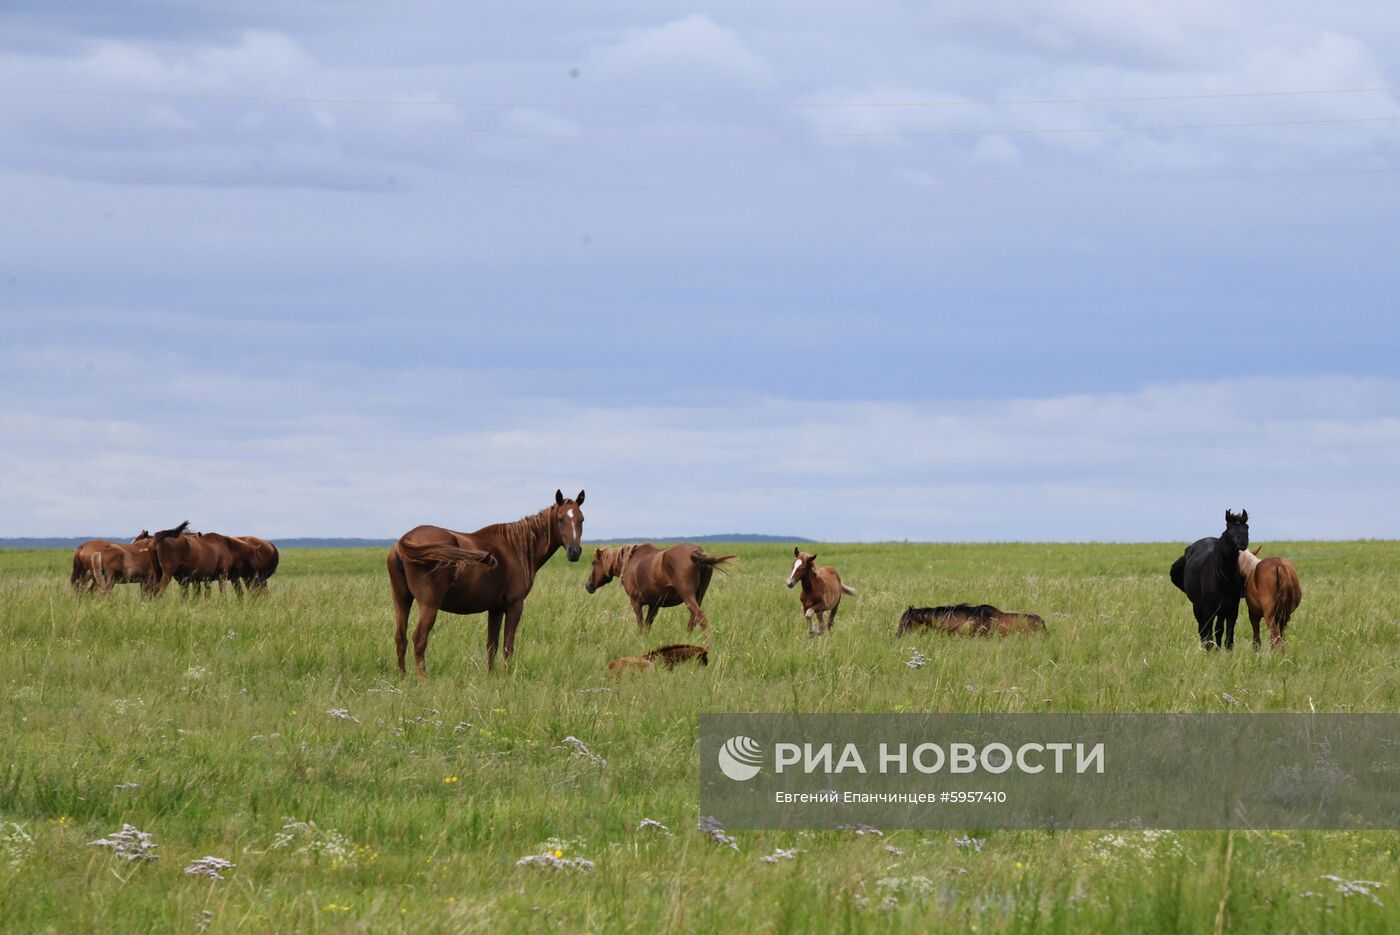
(968, 620)
(1272, 592)
(1209, 575)
(489, 571)
(669, 656)
(821, 591)
(654, 578)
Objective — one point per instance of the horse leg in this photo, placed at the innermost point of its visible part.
(403, 603)
(831, 619)
(696, 616)
(1275, 631)
(637, 612)
(809, 613)
(1203, 622)
(427, 616)
(513, 614)
(1231, 616)
(652, 611)
(493, 636)
(1254, 622)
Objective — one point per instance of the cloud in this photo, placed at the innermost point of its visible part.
(693, 52)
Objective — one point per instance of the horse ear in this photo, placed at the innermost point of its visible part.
(598, 552)
(558, 498)
(579, 498)
(1256, 549)
(796, 552)
(1244, 516)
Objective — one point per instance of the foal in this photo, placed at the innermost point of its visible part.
(655, 578)
(1272, 591)
(821, 591)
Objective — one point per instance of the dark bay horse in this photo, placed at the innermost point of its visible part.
(1208, 574)
(489, 571)
(656, 578)
(821, 591)
(1272, 593)
(969, 620)
(255, 563)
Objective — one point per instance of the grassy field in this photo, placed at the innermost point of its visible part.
(205, 724)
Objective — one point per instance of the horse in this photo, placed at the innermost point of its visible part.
(656, 578)
(82, 574)
(821, 591)
(969, 620)
(1208, 573)
(676, 653)
(123, 563)
(1272, 592)
(193, 558)
(256, 562)
(489, 571)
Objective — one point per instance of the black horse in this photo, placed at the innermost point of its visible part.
(1209, 574)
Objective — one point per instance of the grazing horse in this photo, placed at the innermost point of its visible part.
(1209, 575)
(123, 563)
(489, 571)
(256, 562)
(656, 578)
(1272, 592)
(968, 620)
(821, 591)
(83, 576)
(193, 558)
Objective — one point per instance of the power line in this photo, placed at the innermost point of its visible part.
(678, 105)
(815, 134)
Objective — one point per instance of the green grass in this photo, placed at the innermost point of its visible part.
(216, 709)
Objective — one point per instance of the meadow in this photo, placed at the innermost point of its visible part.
(273, 733)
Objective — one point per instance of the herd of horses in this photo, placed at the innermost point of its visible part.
(195, 560)
(492, 571)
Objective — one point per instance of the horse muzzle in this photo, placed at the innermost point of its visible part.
(791, 583)
(589, 586)
(574, 551)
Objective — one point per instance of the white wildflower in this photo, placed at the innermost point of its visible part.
(129, 843)
(16, 844)
(862, 830)
(649, 824)
(1356, 887)
(916, 661)
(712, 829)
(581, 749)
(966, 841)
(341, 714)
(779, 854)
(550, 862)
(211, 867)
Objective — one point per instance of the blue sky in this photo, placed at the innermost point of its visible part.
(347, 268)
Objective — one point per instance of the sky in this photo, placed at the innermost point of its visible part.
(1070, 270)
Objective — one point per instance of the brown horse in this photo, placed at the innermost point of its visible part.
(1272, 592)
(821, 591)
(123, 563)
(193, 558)
(969, 620)
(489, 571)
(83, 576)
(673, 655)
(255, 562)
(656, 578)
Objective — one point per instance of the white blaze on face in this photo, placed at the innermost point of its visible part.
(796, 567)
(577, 532)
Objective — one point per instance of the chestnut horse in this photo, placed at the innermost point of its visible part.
(255, 563)
(656, 578)
(83, 572)
(194, 558)
(969, 620)
(1271, 591)
(122, 563)
(489, 571)
(821, 591)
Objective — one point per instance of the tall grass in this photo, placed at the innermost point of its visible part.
(204, 722)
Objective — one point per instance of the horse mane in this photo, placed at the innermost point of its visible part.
(522, 534)
(1248, 564)
(617, 559)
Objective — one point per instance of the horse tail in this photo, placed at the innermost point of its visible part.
(847, 589)
(169, 533)
(1289, 594)
(712, 561)
(436, 556)
(272, 565)
(79, 570)
(1178, 573)
(99, 573)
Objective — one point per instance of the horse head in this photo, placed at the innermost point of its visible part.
(568, 524)
(599, 574)
(1237, 529)
(801, 566)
